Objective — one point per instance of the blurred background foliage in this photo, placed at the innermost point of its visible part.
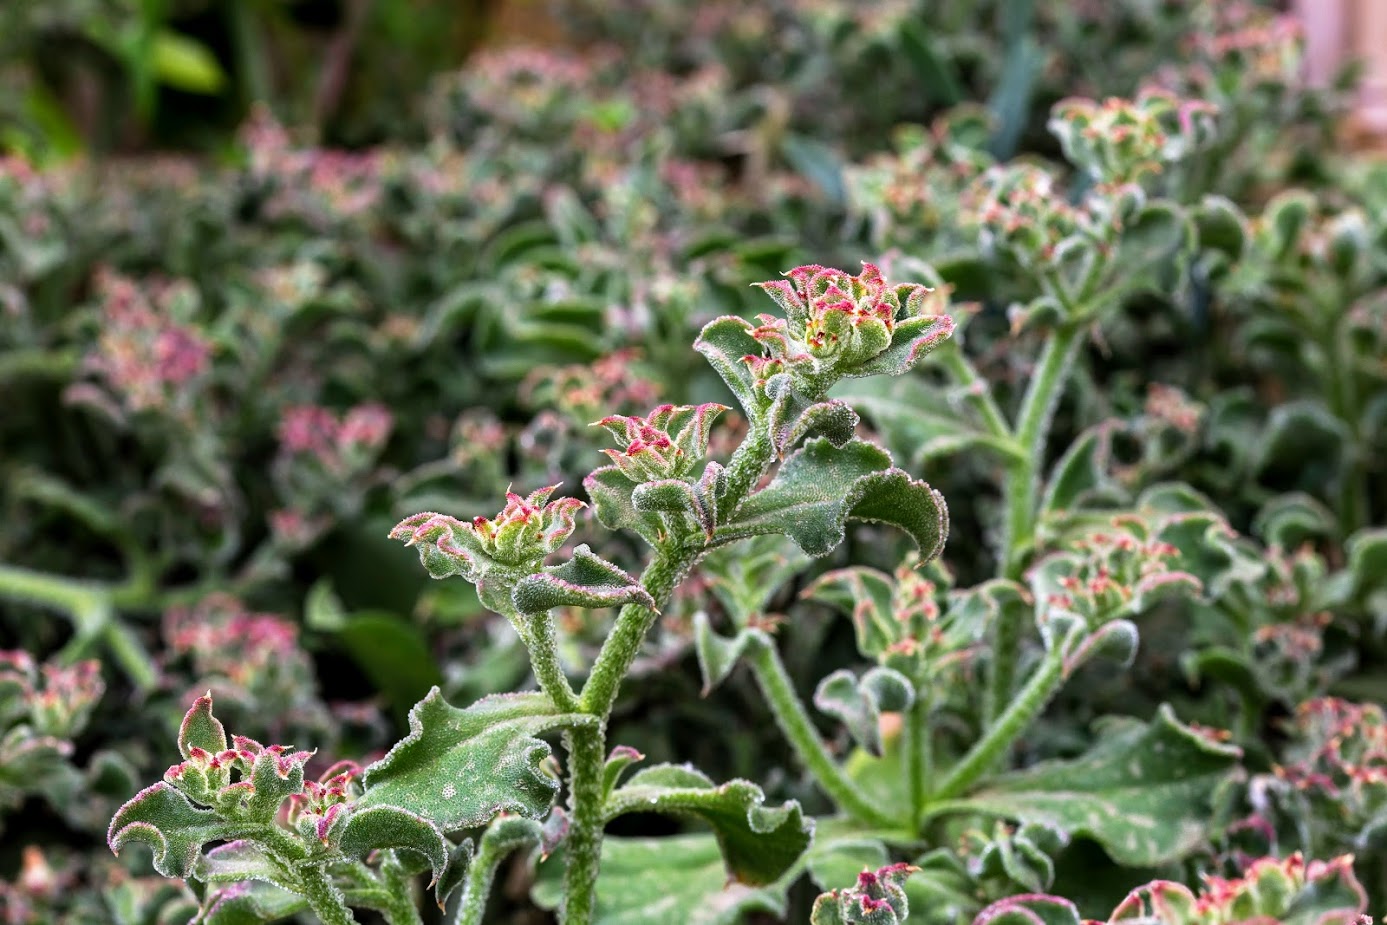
(275, 274)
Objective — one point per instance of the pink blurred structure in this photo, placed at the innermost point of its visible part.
(1338, 30)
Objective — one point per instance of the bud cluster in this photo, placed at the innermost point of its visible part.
(877, 899)
(52, 700)
(834, 323)
(519, 538)
(1120, 142)
(1109, 574)
(1270, 890)
(665, 444)
(1339, 760)
(1020, 211)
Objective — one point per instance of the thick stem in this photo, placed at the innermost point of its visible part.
(794, 722)
(583, 846)
(1007, 728)
(586, 747)
(1022, 497)
(324, 898)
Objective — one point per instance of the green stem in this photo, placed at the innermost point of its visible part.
(401, 906)
(544, 657)
(324, 898)
(794, 722)
(1022, 491)
(587, 747)
(976, 391)
(1007, 728)
(583, 847)
(919, 755)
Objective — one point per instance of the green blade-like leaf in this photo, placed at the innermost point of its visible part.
(821, 487)
(758, 843)
(460, 768)
(907, 414)
(164, 819)
(1142, 792)
(611, 493)
(718, 655)
(724, 341)
(655, 881)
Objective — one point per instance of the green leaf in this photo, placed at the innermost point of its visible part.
(393, 654)
(858, 703)
(460, 768)
(723, 342)
(200, 729)
(185, 64)
(937, 77)
(758, 843)
(249, 903)
(174, 828)
(820, 487)
(378, 827)
(718, 655)
(1143, 791)
(911, 341)
(818, 163)
(612, 495)
(656, 881)
(586, 580)
(1030, 909)
(238, 861)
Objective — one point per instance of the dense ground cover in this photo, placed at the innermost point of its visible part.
(1115, 324)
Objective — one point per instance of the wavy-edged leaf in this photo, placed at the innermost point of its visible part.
(759, 843)
(173, 827)
(859, 702)
(655, 881)
(586, 580)
(908, 415)
(460, 768)
(820, 487)
(612, 498)
(1143, 791)
(373, 828)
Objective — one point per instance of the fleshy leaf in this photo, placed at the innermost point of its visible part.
(912, 339)
(200, 729)
(173, 827)
(621, 757)
(377, 827)
(1030, 909)
(655, 881)
(1142, 791)
(237, 861)
(821, 487)
(858, 703)
(758, 843)
(724, 341)
(611, 493)
(586, 580)
(460, 768)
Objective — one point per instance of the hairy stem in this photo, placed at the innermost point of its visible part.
(583, 847)
(976, 391)
(401, 907)
(794, 722)
(1022, 490)
(324, 898)
(1007, 728)
(544, 658)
